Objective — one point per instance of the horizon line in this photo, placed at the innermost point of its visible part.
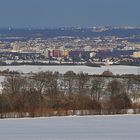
(74, 27)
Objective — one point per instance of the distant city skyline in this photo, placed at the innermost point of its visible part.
(68, 13)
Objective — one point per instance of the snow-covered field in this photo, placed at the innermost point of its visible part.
(62, 69)
(125, 127)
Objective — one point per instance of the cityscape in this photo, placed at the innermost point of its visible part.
(96, 45)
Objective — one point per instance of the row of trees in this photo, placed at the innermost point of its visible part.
(46, 91)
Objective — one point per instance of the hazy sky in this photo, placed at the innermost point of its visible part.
(68, 13)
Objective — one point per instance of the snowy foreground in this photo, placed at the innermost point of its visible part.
(63, 69)
(125, 127)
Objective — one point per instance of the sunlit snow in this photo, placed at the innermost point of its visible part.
(125, 127)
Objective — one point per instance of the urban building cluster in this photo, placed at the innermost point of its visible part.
(70, 50)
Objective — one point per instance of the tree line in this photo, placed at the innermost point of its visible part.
(46, 92)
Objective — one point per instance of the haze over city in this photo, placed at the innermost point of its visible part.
(68, 13)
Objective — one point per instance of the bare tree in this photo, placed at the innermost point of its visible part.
(97, 87)
(70, 80)
(82, 79)
(13, 85)
(115, 87)
(119, 98)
